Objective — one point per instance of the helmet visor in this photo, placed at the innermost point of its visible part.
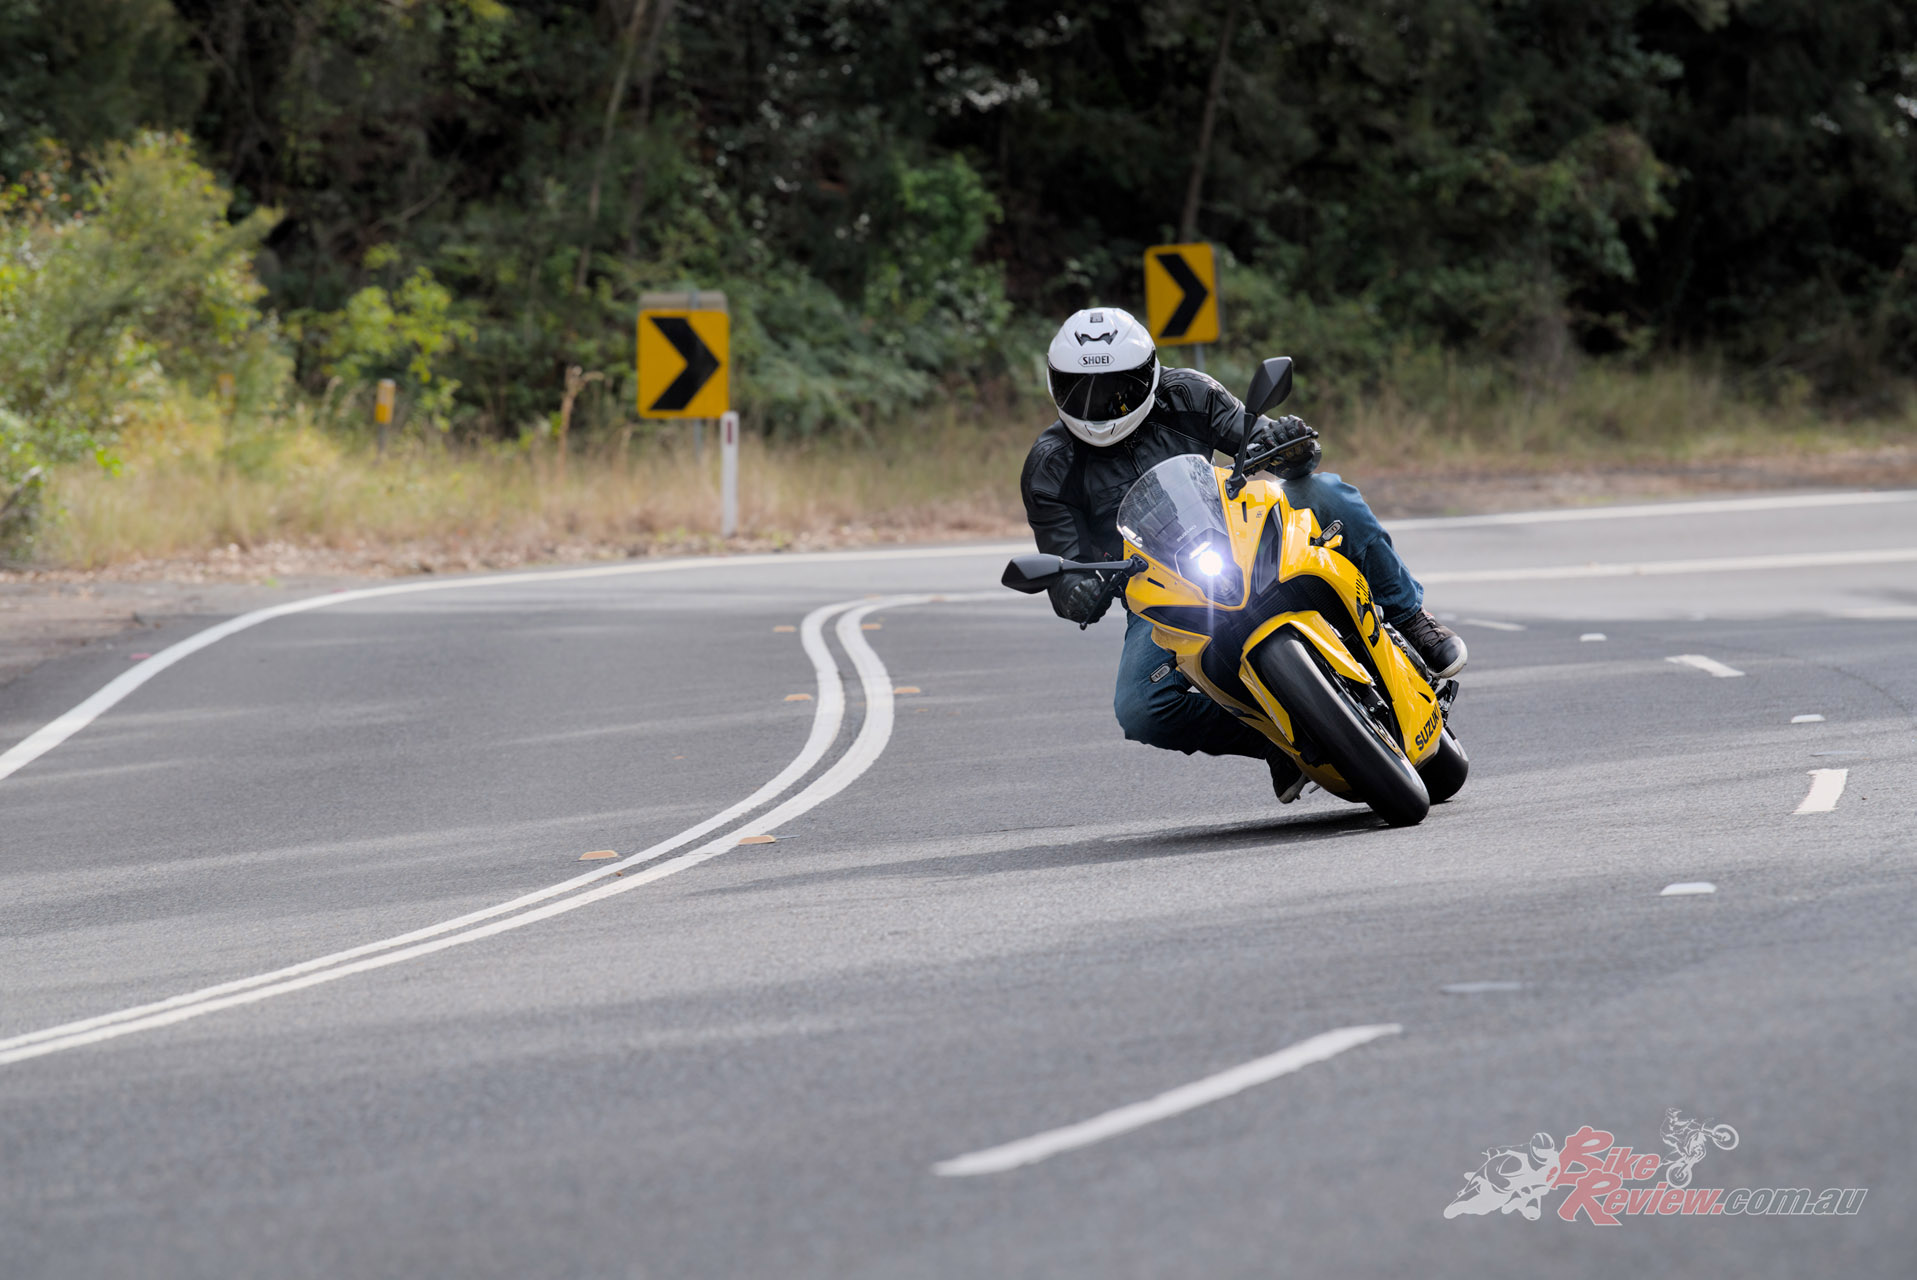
(1102, 397)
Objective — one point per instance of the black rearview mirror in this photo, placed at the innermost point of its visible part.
(1033, 573)
(1270, 386)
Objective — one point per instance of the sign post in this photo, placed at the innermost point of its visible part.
(729, 474)
(685, 371)
(1181, 296)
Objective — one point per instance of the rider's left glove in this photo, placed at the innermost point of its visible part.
(1297, 445)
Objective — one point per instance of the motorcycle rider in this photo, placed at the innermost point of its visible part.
(1120, 413)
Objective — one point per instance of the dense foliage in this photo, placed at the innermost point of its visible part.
(470, 194)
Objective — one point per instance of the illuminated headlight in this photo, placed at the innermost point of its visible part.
(1210, 563)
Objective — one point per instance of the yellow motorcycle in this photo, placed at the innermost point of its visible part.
(1267, 618)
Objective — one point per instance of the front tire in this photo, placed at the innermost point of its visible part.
(1374, 768)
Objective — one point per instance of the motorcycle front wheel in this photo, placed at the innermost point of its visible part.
(1351, 743)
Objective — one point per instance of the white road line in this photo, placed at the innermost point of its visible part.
(1826, 786)
(826, 720)
(1659, 568)
(1590, 636)
(1728, 506)
(1702, 663)
(1809, 719)
(865, 749)
(1686, 888)
(1479, 988)
(1880, 613)
(1495, 626)
(51, 735)
(1013, 1155)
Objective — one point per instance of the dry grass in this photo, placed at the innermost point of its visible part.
(313, 505)
(300, 501)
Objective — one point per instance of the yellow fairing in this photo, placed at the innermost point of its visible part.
(1410, 696)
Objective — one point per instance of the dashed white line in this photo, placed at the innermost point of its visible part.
(1702, 663)
(1487, 622)
(1590, 636)
(1826, 786)
(1013, 1155)
(1686, 888)
(1479, 988)
(1809, 719)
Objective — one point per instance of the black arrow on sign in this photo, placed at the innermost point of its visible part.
(701, 364)
(1195, 293)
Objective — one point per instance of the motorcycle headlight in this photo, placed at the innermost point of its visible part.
(1210, 569)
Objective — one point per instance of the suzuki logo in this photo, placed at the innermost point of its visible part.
(1084, 338)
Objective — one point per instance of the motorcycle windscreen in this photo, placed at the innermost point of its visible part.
(1174, 515)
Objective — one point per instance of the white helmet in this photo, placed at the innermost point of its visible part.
(1103, 372)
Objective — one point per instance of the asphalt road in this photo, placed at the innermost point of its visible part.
(985, 917)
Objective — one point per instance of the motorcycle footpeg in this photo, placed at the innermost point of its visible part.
(1447, 694)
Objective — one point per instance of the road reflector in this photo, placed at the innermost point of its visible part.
(597, 855)
(871, 626)
(785, 628)
(757, 839)
(1181, 294)
(906, 688)
(798, 697)
(684, 363)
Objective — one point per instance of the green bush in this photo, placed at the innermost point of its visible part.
(120, 286)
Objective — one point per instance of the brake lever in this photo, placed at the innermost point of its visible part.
(1242, 468)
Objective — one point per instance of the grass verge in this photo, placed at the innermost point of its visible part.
(188, 503)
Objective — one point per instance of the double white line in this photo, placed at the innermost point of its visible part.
(568, 895)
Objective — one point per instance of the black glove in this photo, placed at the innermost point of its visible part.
(1296, 443)
(1083, 600)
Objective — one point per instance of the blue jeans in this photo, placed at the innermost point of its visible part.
(1169, 713)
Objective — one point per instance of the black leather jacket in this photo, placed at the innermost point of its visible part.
(1072, 489)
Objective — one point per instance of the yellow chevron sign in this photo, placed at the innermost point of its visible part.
(1181, 294)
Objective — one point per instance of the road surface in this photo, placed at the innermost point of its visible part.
(301, 973)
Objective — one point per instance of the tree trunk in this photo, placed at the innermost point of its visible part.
(614, 100)
(647, 65)
(1188, 224)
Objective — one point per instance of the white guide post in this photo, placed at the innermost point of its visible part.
(729, 474)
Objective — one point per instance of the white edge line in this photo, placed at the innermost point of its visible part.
(864, 751)
(826, 720)
(1013, 1155)
(1686, 887)
(1663, 568)
(1706, 664)
(1826, 786)
(1719, 506)
(52, 734)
